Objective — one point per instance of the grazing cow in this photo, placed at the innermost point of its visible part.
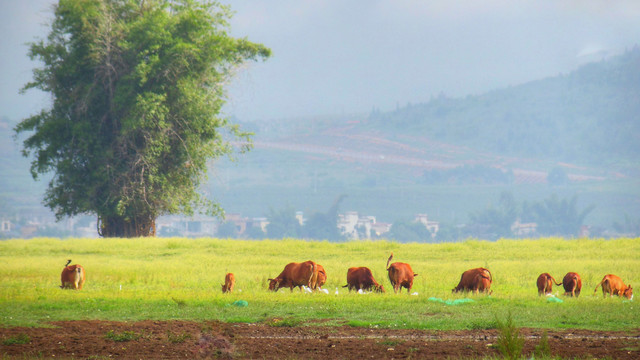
(400, 275)
(613, 285)
(475, 280)
(229, 283)
(72, 277)
(296, 274)
(322, 276)
(362, 278)
(572, 284)
(545, 284)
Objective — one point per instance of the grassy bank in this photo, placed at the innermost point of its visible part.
(134, 279)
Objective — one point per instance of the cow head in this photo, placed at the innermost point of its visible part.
(273, 284)
(628, 293)
(379, 288)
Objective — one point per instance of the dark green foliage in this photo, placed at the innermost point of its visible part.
(559, 216)
(554, 217)
(510, 342)
(137, 89)
(409, 231)
(123, 336)
(496, 222)
(542, 350)
(19, 339)
(283, 223)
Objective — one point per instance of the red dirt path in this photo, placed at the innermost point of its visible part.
(188, 339)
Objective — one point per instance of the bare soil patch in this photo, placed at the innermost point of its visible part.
(189, 339)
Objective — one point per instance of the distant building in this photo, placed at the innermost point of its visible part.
(260, 222)
(432, 226)
(355, 226)
(380, 228)
(523, 229)
(5, 226)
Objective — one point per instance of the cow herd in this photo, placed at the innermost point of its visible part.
(572, 284)
(312, 275)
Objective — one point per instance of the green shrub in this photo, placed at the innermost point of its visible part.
(510, 342)
(17, 340)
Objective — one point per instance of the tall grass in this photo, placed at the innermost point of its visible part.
(178, 278)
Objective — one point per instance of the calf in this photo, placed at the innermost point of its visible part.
(613, 285)
(296, 274)
(572, 284)
(72, 277)
(362, 278)
(400, 275)
(475, 280)
(229, 283)
(545, 284)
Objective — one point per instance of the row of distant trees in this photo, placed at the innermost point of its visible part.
(554, 217)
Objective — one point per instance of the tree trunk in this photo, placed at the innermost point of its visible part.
(116, 226)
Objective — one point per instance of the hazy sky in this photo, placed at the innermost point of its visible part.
(331, 57)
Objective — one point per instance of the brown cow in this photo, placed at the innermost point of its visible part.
(72, 277)
(362, 278)
(296, 274)
(475, 280)
(613, 285)
(229, 283)
(400, 275)
(545, 284)
(572, 284)
(322, 276)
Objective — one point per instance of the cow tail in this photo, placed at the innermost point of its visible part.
(313, 279)
(68, 262)
(389, 260)
(601, 282)
(483, 275)
(554, 281)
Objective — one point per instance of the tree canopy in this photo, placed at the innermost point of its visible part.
(137, 89)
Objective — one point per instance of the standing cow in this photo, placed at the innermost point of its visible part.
(400, 275)
(362, 278)
(296, 274)
(572, 284)
(72, 277)
(545, 284)
(613, 285)
(475, 280)
(229, 283)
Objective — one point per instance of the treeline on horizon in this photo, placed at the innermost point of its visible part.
(588, 116)
(553, 216)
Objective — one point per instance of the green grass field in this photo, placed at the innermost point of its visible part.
(177, 278)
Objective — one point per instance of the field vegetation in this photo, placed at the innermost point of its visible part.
(179, 278)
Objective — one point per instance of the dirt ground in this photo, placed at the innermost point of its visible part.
(188, 340)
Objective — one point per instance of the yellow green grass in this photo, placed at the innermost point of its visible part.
(178, 278)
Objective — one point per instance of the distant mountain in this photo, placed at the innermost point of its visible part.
(590, 116)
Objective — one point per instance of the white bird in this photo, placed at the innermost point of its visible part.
(336, 291)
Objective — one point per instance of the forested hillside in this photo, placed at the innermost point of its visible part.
(590, 116)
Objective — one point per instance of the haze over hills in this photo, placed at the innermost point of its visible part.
(448, 157)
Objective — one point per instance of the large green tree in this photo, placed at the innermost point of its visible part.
(137, 89)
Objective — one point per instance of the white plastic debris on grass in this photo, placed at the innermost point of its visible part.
(415, 293)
